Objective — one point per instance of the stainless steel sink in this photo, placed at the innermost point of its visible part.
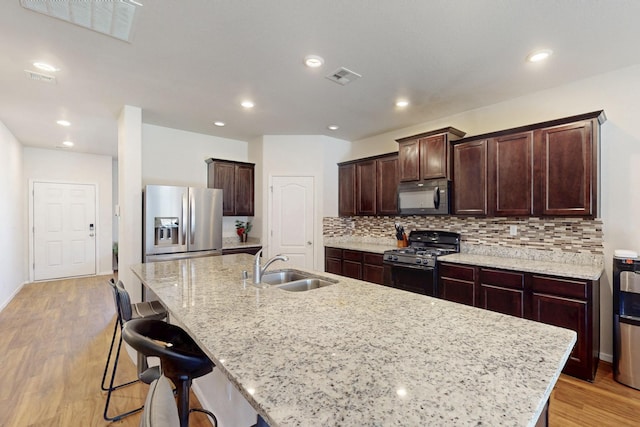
(295, 280)
(304, 285)
(283, 276)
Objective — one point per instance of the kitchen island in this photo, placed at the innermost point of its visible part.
(356, 353)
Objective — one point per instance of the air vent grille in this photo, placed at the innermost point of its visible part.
(342, 76)
(39, 77)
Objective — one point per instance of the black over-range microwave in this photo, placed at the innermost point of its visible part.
(431, 197)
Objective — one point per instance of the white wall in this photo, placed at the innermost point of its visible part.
(303, 155)
(177, 157)
(70, 167)
(13, 251)
(618, 93)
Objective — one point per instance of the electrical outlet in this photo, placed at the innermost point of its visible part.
(513, 230)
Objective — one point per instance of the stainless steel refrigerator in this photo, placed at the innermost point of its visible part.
(181, 222)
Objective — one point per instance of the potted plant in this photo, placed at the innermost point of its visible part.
(243, 229)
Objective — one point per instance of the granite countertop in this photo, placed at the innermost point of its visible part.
(577, 271)
(356, 353)
(362, 247)
(234, 243)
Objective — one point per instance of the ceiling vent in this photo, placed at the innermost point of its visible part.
(111, 17)
(39, 77)
(342, 76)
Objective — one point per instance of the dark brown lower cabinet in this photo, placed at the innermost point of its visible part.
(575, 305)
(565, 302)
(352, 264)
(457, 283)
(372, 269)
(359, 265)
(333, 260)
(502, 291)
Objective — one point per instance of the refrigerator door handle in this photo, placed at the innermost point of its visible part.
(192, 219)
(185, 213)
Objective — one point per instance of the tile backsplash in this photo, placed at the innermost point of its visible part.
(537, 237)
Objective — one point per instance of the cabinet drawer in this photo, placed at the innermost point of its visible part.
(455, 271)
(352, 255)
(561, 287)
(505, 279)
(332, 252)
(373, 259)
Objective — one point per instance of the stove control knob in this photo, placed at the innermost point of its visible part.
(418, 261)
(395, 257)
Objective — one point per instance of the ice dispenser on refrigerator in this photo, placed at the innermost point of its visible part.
(626, 318)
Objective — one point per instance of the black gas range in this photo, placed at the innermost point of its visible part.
(414, 268)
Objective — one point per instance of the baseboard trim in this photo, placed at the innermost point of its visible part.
(12, 296)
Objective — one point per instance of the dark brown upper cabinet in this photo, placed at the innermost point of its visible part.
(368, 186)
(347, 189)
(567, 158)
(470, 178)
(511, 174)
(236, 179)
(426, 156)
(545, 169)
(387, 185)
(366, 177)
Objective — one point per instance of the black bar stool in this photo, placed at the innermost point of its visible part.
(126, 311)
(181, 360)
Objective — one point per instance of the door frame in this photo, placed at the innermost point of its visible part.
(31, 231)
(269, 233)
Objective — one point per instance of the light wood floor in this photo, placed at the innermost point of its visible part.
(54, 339)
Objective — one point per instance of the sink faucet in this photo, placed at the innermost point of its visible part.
(259, 271)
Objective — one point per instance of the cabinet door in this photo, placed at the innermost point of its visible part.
(511, 166)
(433, 157)
(470, 178)
(347, 190)
(372, 268)
(457, 283)
(387, 186)
(224, 178)
(573, 304)
(502, 291)
(409, 160)
(366, 188)
(333, 260)
(570, 314)
(352, 269)
(568, 180)
(244, 190)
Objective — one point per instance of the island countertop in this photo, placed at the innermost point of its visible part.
(356, 353)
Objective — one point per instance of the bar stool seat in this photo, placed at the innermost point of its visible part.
(181, 359)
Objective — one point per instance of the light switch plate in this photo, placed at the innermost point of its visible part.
(513, 230)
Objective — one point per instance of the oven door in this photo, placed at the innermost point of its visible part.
(419, 280)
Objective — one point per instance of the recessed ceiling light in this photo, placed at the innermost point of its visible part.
(45, 67)
(539, 55)
(313, 61)
(63, 123)
(402, 103)
(247, 104)
(219, 123)
(333, 127)
(67, 143)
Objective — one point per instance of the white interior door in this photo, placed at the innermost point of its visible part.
(64, 230)
(292, 219)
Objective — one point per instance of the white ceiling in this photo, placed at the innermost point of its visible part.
(190, 63)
